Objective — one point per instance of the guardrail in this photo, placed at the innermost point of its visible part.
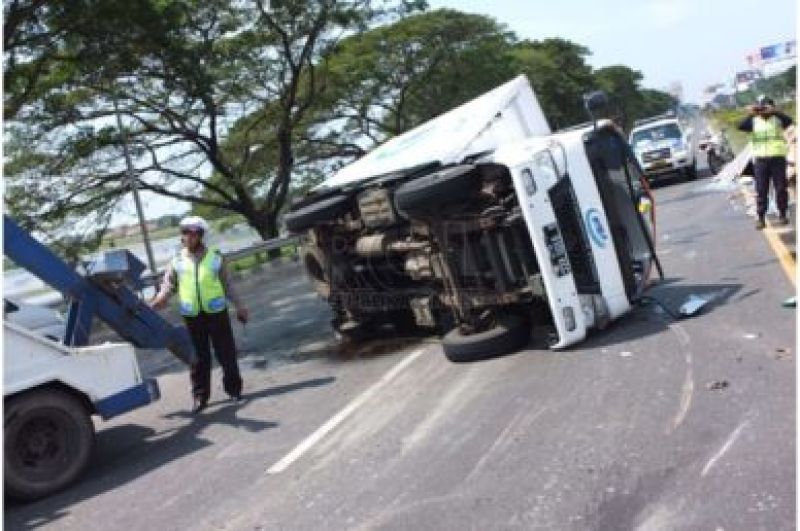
(52, 298)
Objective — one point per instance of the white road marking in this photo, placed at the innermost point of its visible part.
(725, 447)
(342, 415)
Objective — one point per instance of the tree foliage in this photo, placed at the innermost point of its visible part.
(232, 105)
(184, 74)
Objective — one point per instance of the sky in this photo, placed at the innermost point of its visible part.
(695, 42)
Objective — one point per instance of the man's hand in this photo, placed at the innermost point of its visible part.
(242, 315)
(156, 303)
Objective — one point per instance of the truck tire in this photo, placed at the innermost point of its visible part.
(509, 334)
(691, 172)
(715, 162)
(426, 195)
(48, 441)
(322, 211)
(317, 269)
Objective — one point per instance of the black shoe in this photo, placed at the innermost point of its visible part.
(237, 399)
(199, 405)
(760, 224)
(782, 221)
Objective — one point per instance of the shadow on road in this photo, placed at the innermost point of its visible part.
(651, 318)
(127, 452)
(249, 397)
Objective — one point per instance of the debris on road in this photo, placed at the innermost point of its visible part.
(782, 354)
(751, 336)
(626, 354)
(717, 385)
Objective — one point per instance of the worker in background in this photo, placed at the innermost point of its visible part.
(199, 275)
(766, 125)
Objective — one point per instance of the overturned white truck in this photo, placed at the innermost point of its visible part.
(482, 223)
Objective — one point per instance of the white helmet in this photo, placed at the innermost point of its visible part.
(194, 223)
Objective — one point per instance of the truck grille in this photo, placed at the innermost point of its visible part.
(570, 222)
(658, 154)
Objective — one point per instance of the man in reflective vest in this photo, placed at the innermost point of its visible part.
(203, 287)
(766, 127)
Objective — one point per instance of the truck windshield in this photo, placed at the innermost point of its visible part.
(654, 134)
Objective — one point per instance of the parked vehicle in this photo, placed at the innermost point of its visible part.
(664, 145)
(38, 319)
(484, 223)
(718, 150)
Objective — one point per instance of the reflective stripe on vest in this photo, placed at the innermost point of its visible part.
(767, 138)
(199, 285)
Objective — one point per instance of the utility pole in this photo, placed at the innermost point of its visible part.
(133, 184)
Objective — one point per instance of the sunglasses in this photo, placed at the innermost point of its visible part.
(186, 232)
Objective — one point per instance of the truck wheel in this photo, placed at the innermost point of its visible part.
(317, 269)
(427, 195)
(48, 440)
(319, 212)
(691, 171)
(510, 333)
(715, 162)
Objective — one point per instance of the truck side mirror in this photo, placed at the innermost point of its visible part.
(594, 102)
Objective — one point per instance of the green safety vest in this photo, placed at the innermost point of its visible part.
(767, 137)
(199, 284)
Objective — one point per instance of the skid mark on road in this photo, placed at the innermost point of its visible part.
(725, 447)
(686, 400)
(342, 415)
(451, 402)
(687, 390)
(519, 422)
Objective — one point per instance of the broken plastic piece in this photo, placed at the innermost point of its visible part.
(692, 306)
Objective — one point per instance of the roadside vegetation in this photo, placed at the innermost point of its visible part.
(211, 122)
(729, 119)
(781, 88)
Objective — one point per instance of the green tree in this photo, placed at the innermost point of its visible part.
(382, 82)
(183, 74)
(558, 71)
(628, 100)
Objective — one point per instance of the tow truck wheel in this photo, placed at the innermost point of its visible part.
(510, 333)
(48, 441)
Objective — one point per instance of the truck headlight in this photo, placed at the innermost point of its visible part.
(544, 167)
(569, 318)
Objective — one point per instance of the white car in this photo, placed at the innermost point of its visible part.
(38, 319)
(664, 145)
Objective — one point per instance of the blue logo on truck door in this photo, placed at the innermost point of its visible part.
(596, 227)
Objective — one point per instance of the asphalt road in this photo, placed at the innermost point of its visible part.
(650, 424)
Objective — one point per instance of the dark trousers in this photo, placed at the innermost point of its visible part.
(766, 169)
(215, 327)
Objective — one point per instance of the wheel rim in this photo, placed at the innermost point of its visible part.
(42, 448)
